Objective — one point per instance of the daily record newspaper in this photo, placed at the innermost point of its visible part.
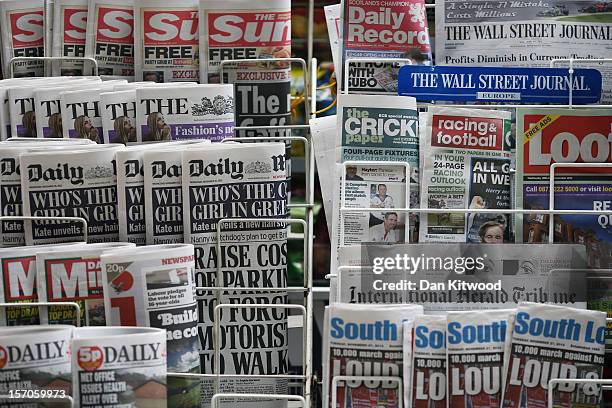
(364, 340)
(428, 377)
(548, 136)
(466, 164)
(525, 33)
(119, 366)
(236, 180)
(475, 344)
(547, 342)
(381, 29)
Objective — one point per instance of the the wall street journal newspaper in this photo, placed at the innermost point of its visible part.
(428, 378)
(524, 33)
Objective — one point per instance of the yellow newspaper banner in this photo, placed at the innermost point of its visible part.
(539, 126)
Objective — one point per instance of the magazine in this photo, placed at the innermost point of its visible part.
(428, 379)
(545, 136)
(364, 340)
(528, 34)
(78, 183)
(154, 287)
(34, 358)
(237, 180)
(22, 36)
(69, 30)
(466, 165)
(186, 112)
(550, 341)
(475, 343)
(72, 274)
(381, 29)
(110, 37)
(119, 366)
(166, 40)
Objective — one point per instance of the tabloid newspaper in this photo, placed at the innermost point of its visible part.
(550, 341)
(364, 340)
(79, 183)
(34, 358)
(22, 36)
(166, 40)
(72, 274)
(548, 136)
(381, 29)
(466, 163)
(245, 29)
(475, 344)
(407, 332)
(524, 33)
(119, 367)
(154, 286)
(186, 112)
(18, 285)
(69, 30)
(240, 181)
(118, 114)
(428, 378)
(332, 17)
(110, 36)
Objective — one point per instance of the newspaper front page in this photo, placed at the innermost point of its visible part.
(69, 32)
(466, 163)
(364, 340)
(240, 181)
(428, 379)
(118, 116)
(525, 33)
(549, 342)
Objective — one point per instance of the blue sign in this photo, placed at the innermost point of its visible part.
(499, 84)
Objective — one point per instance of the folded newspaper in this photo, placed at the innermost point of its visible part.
(428, 378)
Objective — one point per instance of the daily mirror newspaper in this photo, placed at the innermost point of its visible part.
(428, 377)
(364, 340)
(525, 33)
(466, 159)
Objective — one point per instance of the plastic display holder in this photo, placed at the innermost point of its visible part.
(393, 379)
(48, 304)
(301, 402)
(83, 221)
(52, 59)
(349, 61)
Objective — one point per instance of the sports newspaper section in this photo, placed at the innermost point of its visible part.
(233, 180)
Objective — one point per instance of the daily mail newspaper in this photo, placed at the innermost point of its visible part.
(119, 366)
(466, 160)
(22, 36)
(245, 29)
(548, 136)
(154, 286)
(475, 344)
(110, 36)
(34, 358)
(69, 31)
(79, 183)
(185, 112)
(72, 274)
(364, 340)
(525, 33)
(240, 181)
(166, 40)
(381, 29)
(428, 378)
(550, 341)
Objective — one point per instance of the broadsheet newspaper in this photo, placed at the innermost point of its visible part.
(364, 340)
(475, 344)
(34, 358)
(110, 36)
(466, 163)
(547, 136)
(428, 377)
(79, 183)
(240, 181)
(381, 29)
(119, 366)
(166, 40)
(72, 274)
(524, 33)
(246, 29)
(549, 342)
(69, 30)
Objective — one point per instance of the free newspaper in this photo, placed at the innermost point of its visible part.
(364, 340)
(69, 35)
(466, 160)
(428, 378)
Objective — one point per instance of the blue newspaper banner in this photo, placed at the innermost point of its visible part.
(499, 84)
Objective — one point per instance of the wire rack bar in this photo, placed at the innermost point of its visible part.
(48, 304)
(83, 221)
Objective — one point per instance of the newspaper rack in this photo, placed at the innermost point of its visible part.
(14, 60)
(48, 304)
